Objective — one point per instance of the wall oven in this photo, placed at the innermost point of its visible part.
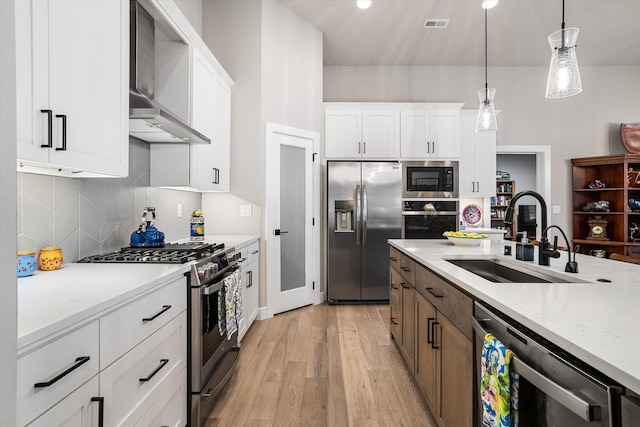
(428, 219)
(430, 179)
(213, 354)
(556, 389)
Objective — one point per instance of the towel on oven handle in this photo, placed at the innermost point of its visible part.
(230, 304)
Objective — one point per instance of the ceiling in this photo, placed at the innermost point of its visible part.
(391, 32)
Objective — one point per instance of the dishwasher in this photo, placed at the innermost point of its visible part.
(556, 388)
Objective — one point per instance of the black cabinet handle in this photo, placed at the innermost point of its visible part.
(394, 287)
(64, 132)
(430, 290)
(393, 320)
(405, 269)
(429, 320)
(216, 176)
(394, 259)
(404, 285)
(250, 272)
(49, 114)
(254, 252)
(149, 319)
(433, 335)
(100, 401)
(79, 362)
(162, 363)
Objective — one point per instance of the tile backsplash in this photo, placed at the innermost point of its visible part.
(87, 216)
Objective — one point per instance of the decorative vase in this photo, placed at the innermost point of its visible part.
(26, 263)
(50, 258)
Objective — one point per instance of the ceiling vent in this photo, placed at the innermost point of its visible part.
(436, 23)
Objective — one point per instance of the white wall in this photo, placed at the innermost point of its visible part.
(8, 300)
(222, 215)
(522, 168)
(192, 10)
(581, 126)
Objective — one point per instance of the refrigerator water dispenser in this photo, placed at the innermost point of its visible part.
(344, 216)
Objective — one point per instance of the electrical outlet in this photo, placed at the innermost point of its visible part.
(179, 210)
(245, 210)
(556, 209)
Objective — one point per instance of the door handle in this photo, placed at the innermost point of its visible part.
(64, 132)
(49, 143)
(279, 232)
(358, 214)
(365, 214)
(433, 335)
(429, 320)
(433, 147)
(100, 401)
(428, 147)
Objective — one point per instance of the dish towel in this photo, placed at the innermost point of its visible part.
(230, 297)
(498, 385)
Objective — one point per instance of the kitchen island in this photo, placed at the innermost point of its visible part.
(593, 320)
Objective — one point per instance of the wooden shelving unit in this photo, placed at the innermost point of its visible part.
(620, 175)
(505, 190)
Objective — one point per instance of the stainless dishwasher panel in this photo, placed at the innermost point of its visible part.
(556, 389)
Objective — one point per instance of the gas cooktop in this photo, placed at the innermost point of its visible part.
(171, 253)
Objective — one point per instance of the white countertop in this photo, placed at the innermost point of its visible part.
(51, 301)
(597, 322)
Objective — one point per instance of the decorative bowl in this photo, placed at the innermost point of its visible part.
(462, 238)
(472, 214)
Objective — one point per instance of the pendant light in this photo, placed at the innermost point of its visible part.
(486, 112)
(564, 74)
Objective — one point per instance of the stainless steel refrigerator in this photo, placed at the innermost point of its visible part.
(363, 211)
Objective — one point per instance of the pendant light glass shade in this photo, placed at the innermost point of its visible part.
(486, 112)
(564, 74)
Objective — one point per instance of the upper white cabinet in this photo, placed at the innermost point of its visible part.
(429, 134)
(203, 81)
(362, 133)
(477, 158)
(72, 72)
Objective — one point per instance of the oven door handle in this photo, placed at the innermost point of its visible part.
(210, 289)
(426, 213)
(585, 410)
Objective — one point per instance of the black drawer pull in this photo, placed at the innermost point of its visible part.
(404, 285)
(162, 363)
(254, 252)
(394, 287)
(433, 335)
(394, 259)
(100, 401)
(393, 320)
(405, 269)
(49, 143)
(79, 362)
(430, 290)
(64, 132)
(164, 308)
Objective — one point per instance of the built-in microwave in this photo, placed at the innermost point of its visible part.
(430, 179)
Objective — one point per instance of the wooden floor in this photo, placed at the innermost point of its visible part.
(322, 365)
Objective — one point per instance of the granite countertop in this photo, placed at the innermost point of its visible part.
(595, 321)
(51, 301)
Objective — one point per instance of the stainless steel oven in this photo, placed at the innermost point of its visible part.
(430, 179)
(556, 389)
(428, 219)
(213, 355)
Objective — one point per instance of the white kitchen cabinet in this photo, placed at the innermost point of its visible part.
(477, 158)
(76, 410)
(429, 134)
(250, 274)
(373, 134)
(200, 167)
(170, 409)
(72, 72)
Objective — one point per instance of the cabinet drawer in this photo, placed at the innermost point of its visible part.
(171, 408)
(58, 363)
(396, 324)
(449, 301)
(403, 264)
(133, 383)
(77, 409)
(123, 329)
(394, 288)
(252, 252)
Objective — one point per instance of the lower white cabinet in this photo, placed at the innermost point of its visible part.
(125, 368)
(250, 273)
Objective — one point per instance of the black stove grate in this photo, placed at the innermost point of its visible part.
(172, 253)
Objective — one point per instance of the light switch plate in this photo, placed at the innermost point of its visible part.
(245, 210)
(556, 209)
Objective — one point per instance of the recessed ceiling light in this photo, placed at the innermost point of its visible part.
(488, 4)
(363, 4)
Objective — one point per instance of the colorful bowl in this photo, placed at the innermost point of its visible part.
(50, 258)
(26, 263)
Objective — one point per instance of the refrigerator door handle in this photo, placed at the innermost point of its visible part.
(358, 214)
(365, 214)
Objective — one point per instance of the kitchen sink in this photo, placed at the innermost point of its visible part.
(496, 270)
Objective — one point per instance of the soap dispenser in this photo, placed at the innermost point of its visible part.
(524, 248)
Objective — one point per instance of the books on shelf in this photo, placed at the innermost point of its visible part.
(501, 200)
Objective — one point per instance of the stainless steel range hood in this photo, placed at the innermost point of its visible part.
(148, 120)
